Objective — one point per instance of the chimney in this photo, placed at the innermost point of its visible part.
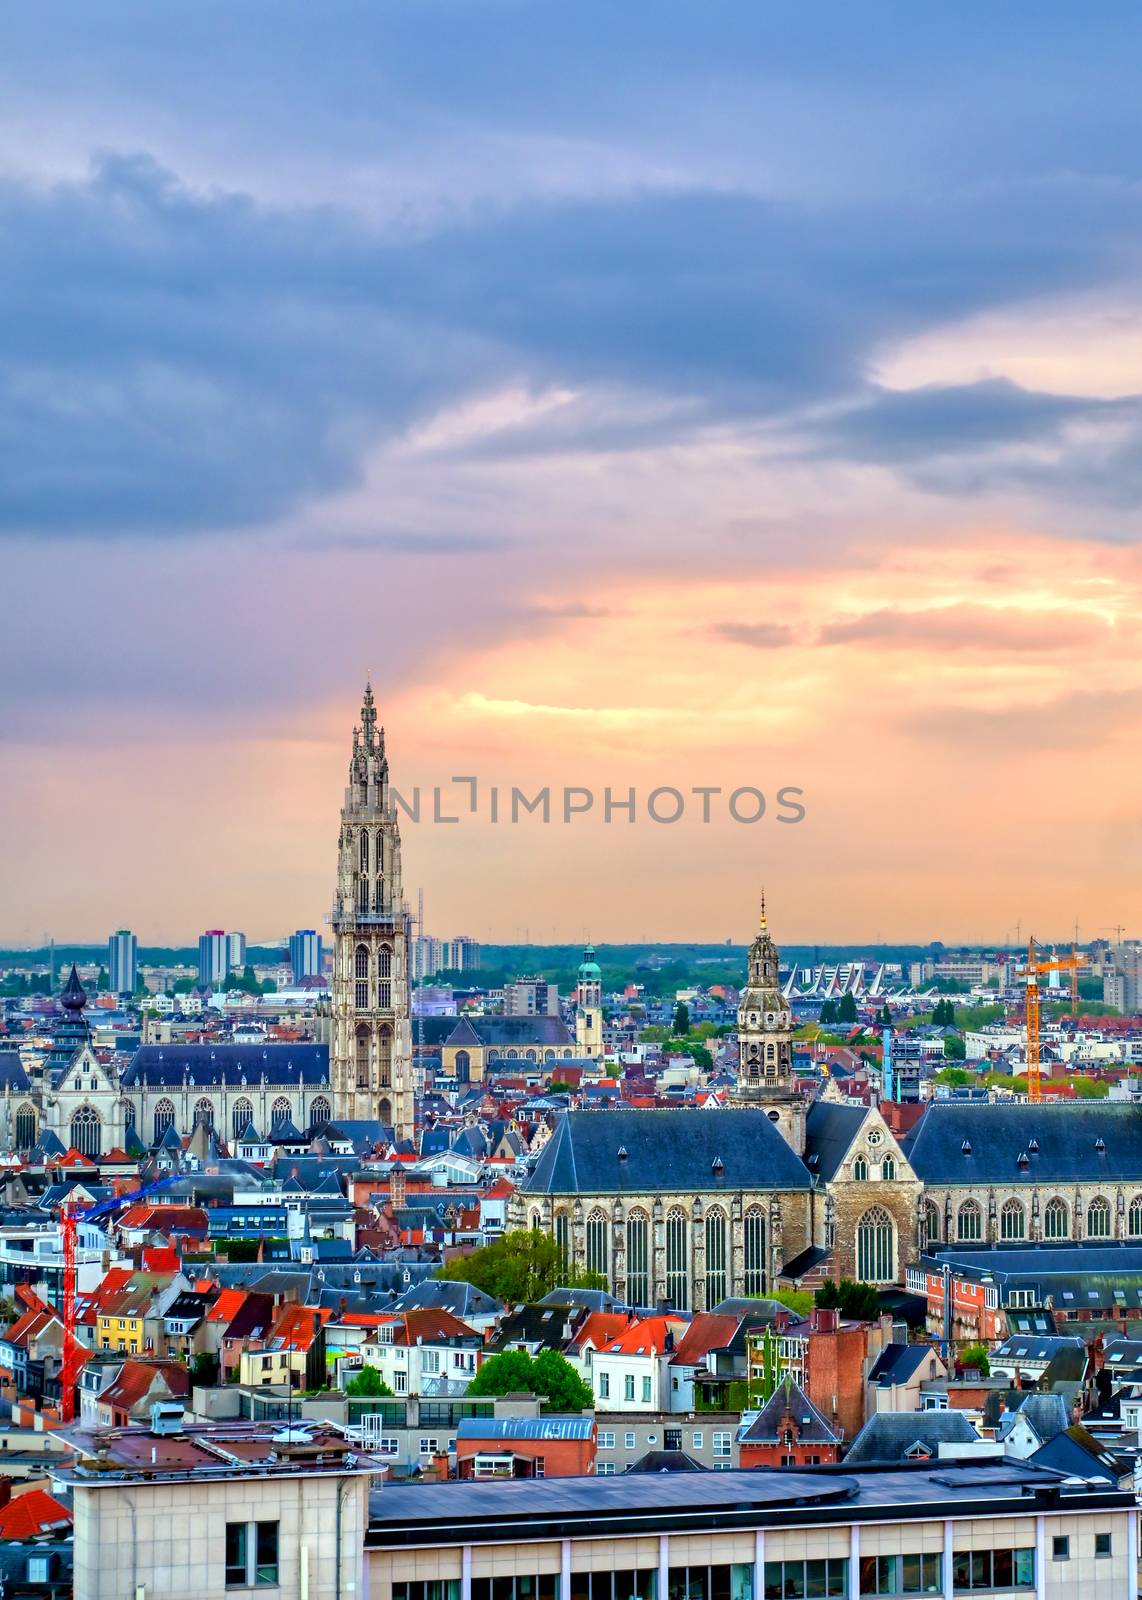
(397, 1186)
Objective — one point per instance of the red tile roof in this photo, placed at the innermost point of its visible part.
(639, 1337)
(33, 1514)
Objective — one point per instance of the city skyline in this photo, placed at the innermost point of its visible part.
(723, 401)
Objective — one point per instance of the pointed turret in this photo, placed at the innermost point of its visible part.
(74, 995)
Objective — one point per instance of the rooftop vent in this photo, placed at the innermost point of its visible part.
(1033, 1147)
(717, 1166)
(1100, 1146)
(622, 1152)
(965, 1148)
(1023, 1161)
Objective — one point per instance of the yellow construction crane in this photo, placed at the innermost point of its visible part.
(1031, 972)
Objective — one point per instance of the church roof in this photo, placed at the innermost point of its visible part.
(670, 1151)
(518, 1031)
(1063, 1142)
(829, 1132)
(12, 1074)
(216, 1065)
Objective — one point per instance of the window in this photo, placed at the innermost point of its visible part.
(969, 1224)
(646, 1391)
(362, 1056)
(251, 1554)
(696, 1439)
(519, 1587)
(432, 1589)
(677, 1274)
(918, 1574)
(794, 1580)
(708, 1583)
(993, 1569)
(1012, 1224)
(887, 1169)
(597, 1243)
(628, 1386)
(638, 1274)
(723, 1443)
(876, 1247)
(931, 1223)
(560, 1230)
(754, 1263)
(715, 1257)
(385, 1056)
(87, 1131)
(1103, 1545)
(604, 1469)
(204, 1113)
(672, 1438)
(320, 1112)
(430, 1361)
(860, 1170)
(430, 1447)
(1098, 1219)
(279, 1111)
(606, 1439)
(629, 1439)
(164, 1118)
(1061, 1547)
(1135, 1216)
(604, 1386)
(25, 1127)
(1056, 1221)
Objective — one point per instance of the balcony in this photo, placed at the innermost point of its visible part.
(367, 919)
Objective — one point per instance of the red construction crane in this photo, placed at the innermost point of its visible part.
(70, 1217)
(1032, 970)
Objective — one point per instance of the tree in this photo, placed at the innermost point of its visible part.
(954, 1048)
(1088, 1088)
(560, 1086)
(524, 1265)
(828, 1013)
(368, 1382)
(847, 1007)
(798, 1300)
(859, 1302)
(699, 1053)
(975, 1355)
(954, 1077)
(549, 1375)
(681, 1023)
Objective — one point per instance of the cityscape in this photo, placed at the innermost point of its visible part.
(570, 875)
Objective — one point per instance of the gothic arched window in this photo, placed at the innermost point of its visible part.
(888, 1169)
(716, 1288)
(1098, 1219)
(1134, 1221)
(561, 1235)
(25, 1127)
(931, 1223)
(1056, 1220)
(385, 1055)
(1012, 1220)
(677, 1260)
(87, 1131)
(463, 1066)
(385, 1113)
(364, 850)
(384, 975)
(876, 1247)
(361, 978)
(361, 1053)
(279, 1111)
(320, 1112)
(241, 1116)
(204, 1113)
(638, 1259)
(860, 1170)
(164, 1118)
(597, 1243)
(969, 1223)
(754, 1282)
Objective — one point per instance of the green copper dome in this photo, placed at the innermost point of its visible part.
(589, 968)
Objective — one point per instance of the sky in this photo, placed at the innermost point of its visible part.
(661, 397)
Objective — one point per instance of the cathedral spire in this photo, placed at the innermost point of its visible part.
(369, 719)
(763, 923)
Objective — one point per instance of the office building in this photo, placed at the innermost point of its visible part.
(531, 997)
(123, 962)
(305, 954)
(465, 954)
(236, 951)
(213, 958)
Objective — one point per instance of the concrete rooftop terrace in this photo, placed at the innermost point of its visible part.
(112, 1455)
(530, 1509)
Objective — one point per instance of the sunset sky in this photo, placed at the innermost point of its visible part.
(674, 394)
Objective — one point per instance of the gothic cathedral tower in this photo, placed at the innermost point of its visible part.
(370, 1052)
(765, 1044)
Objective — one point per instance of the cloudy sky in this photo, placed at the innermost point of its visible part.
(679, 394)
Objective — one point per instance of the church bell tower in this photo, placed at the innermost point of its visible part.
(765, 1043)
(370, 1051)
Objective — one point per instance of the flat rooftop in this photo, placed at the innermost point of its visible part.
(113, 1455)
(531, 1509)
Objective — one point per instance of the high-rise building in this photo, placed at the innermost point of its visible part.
(371, 1046)
(426, 957)
(465, 954)
(123, 961)
(236, 951)
(213, 958)
(531, 997)
(305, 954)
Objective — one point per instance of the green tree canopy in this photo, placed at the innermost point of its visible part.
(975, 1355)
(954, 1048)
(549, 1375)
(847, 1007)
(522, 1266)
(857, 1301)
(681, 1023)
(368, 1382)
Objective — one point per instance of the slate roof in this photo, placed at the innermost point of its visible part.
(829, 1132)
(164, 1065)
(525, 1428)
(1045, 1414)
(12, 1074)
(1076, 1454)
(1067, 1133)
(890, 1435)
(812, 1427)
(443, 1294)
(504, 1032)
(896, 1363)
(1089, 1274)
(667, 1152)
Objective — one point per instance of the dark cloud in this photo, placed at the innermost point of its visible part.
(968, 627)
(758, 635)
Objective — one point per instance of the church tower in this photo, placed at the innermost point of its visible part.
(765, 1043)
(370, 1049)
(589, 1007)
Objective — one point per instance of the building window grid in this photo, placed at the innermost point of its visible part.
(823, 1579)
(638, 1259)
(677, 1265)
(754, 1282)
(901, 1574)
(993, 1569)
(715, 1258)
(597, 1253)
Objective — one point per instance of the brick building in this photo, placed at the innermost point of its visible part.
(789, 1431)
(526, 1447)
